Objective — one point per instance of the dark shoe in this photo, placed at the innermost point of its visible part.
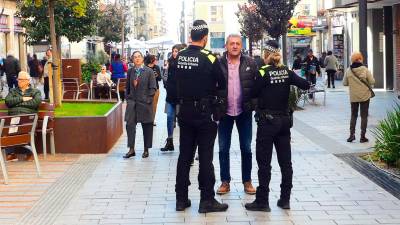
(182, 205)
(333, 87)
(351, 138)
(284, 204)
(363, 139)
(11, 157)
(257, 206)
(224, 188)
(169, 145)
(130, 153)
(145, 153)
(212, 205)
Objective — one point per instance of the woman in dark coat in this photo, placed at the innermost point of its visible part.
(140, 89)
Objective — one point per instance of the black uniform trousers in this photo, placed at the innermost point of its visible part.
(195, 129)
(275, 132)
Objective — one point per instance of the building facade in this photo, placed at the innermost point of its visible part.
(382, 37)
(221, 19)
(149, 20)
(11, 33)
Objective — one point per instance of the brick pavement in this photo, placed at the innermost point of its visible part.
(141, 191)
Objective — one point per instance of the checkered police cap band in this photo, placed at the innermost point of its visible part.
(271, 49)
(200, 27)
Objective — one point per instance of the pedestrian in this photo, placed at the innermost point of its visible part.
(297, 64)
(198, 76)
(35, 71)
(157, 74)
(140, 89)
(331, 64)
(171, 99)
(47, 71)
(12, 67)
(240, 72)
(273, 126)
(360, 80)
(322, 65)
(104, 83)
(118, 69)
(312, 69)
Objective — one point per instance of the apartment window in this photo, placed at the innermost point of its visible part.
(216, 13)
(217, 39)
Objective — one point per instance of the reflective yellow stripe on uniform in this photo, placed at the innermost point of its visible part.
(212, 58)
(262, 72)
(205, 51)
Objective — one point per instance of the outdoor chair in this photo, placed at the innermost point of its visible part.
(18, 131)
(71, 86)
(46, 122)
(120, 87)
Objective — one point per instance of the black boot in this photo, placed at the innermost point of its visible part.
(351, 138)
(283, 203)
(169, 145)
(182, 205)
(130, 153)
(363, 139)
(212, 205)
(145, 153)
(258, 206)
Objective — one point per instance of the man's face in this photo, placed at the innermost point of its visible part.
(234, 46)
(48, 53)
(310, 54)
(23, 82)
(137, 59)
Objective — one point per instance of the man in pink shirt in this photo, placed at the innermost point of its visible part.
(240, 72)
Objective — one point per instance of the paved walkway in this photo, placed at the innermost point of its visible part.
(141, 191)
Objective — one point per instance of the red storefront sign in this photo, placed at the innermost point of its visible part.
(4, 24)
(17, 25)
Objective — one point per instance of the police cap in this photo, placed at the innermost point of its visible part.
(199, 30)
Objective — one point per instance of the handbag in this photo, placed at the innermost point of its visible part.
(365, 83)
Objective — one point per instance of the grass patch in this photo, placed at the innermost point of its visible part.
(83, 109)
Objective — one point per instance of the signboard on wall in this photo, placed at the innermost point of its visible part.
(4, 24)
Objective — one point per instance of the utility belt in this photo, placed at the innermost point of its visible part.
(208, 105)
(265, 114)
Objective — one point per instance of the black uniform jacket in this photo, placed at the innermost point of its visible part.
(273, 86)
(198, 74)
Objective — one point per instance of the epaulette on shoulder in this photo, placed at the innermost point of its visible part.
(182, 49)
(205, 51)
(262, 70)
(209, 54)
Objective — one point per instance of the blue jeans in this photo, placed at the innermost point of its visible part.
(171, 110)
(244, 126)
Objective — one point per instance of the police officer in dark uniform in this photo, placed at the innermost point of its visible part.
(198, 76)
(274, 122)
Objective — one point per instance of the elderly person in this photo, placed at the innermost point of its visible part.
(140, 89)
(104, 82)
(359, 79)
(22, 100)
(331, 64)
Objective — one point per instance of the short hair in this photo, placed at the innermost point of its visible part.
(24, 73)
(329, 53)
(357, 57)
(117, 57)
(152, 58)
(199, 30)
(233, 36)
(140, 53)
(310, 51)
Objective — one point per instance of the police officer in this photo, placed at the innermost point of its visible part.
(274, 123)
(198, 76)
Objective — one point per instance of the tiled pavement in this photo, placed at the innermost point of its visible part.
(141, 191)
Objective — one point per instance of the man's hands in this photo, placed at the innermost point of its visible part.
(26, 99)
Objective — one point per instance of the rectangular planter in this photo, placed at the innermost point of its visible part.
(89, 135)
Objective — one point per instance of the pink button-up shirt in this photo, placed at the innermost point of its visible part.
(234, 90)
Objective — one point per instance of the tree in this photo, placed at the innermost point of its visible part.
(277, 13)
(78, 9)
(110, 26)
(252, 24)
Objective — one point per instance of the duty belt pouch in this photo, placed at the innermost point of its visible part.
(204, 107)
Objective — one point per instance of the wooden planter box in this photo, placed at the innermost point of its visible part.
(90, 134)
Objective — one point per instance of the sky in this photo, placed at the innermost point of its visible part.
(173, 12)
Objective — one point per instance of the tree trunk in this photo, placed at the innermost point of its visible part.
(55, 58)
(251, 47)
(123, 29)
(284, 49)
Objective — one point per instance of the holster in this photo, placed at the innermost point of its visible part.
(219, 108)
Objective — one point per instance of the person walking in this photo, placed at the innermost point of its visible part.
(171, 99)
(198, 76)
(322, 66)
(240, 72)
(140, 89)
(273, 126)
(35, 70)
(360, 80)
(331, 64)
(157, 74)
(12, 67)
